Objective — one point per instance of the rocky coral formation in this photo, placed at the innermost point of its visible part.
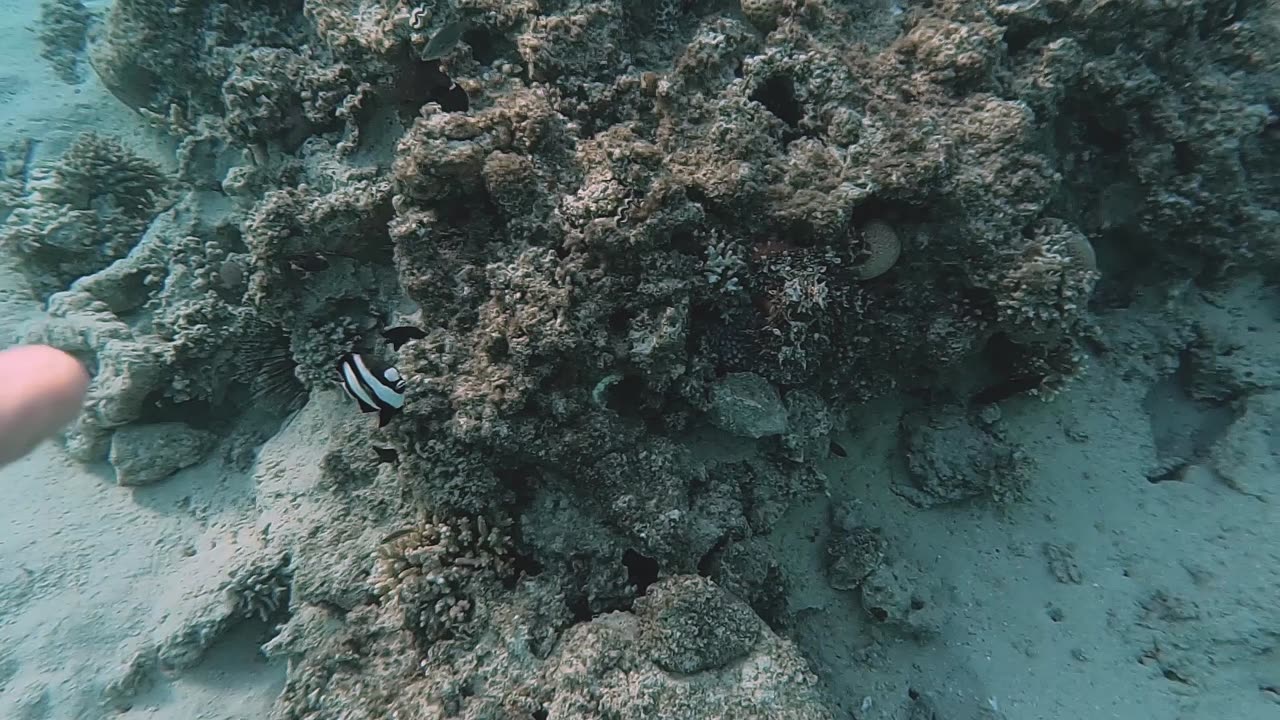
(610, 666)
(64, 29)
(144, 454)
(95, 205)
(952, 456)
(854, 551)
(617, 223)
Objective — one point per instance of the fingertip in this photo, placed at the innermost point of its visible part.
(62, 368)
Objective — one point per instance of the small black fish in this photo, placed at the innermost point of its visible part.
(387, 455)
(402, 334)
(838, 450)
(374, 386)
(444, 40)
(306, 262)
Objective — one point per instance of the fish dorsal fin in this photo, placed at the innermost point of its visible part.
(402, 334)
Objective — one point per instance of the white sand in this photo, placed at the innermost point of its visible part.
(91, 573)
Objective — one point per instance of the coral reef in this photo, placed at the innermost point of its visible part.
(690, 625)
(261, 590)
(618, 224)
(15, 169)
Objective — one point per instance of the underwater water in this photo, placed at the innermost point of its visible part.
(603, 359)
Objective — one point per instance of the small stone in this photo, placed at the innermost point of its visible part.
(853, 551)
(144, 454)
(883, 249)
(747, 405)
(1062, 563)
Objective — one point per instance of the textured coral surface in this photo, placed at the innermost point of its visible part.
(625, 230)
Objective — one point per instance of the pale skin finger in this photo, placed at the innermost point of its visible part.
(41, 391)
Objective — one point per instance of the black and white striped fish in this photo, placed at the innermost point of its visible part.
(374, 386)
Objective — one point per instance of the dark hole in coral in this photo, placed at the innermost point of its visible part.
(641, 571)
(629, 397)
(778, 95)
(230, 238)
(1099, 133)
(891, 211)
(198, 413)
(498, 348)
(880, 614)
(707, 564)
(685, 242)
(1125, 266)
(1005, 358)
(620, 320)
(487, 46)
(423, 82)
(452, 99)
(133, 85)
(1184, 158)
(540, 714)
(695, 194)
(1017, 38)
(580, 608)
(526, 565)
(917, 604)
(455, 214)
(522, 482)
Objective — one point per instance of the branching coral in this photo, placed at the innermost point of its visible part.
(261, 591)
(93, 209)
(1046, 290)
(432, 572)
